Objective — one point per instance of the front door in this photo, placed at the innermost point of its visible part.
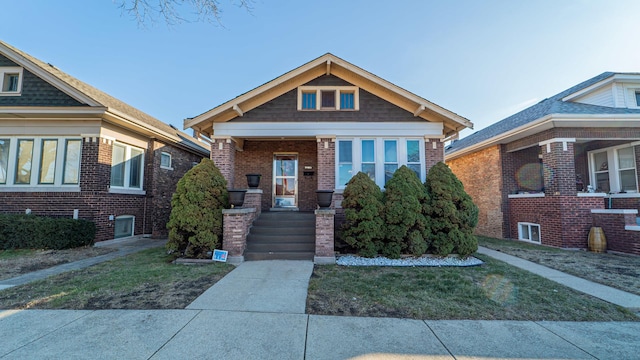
(285, 180)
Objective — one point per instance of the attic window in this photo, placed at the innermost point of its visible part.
(328, 98)
(10, 80)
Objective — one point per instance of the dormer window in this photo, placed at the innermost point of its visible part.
(344, 98)
(10, 81)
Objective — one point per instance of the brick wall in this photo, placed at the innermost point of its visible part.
(559, 174)
(223, 154)
(619, 239)
(434, 153)
(257, 157)
(326, 169)
(480, 173)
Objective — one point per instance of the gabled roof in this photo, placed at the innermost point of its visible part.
(93, 97)
(329, 64)
(554, 105)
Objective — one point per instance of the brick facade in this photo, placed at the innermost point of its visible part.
(223, 154)
(619, 239)
(434, 153)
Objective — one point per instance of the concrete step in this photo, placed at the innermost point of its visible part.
(284, 223)
(276, 238)
(283, 255)
(294, 215)
(280, 247)
(276, 230)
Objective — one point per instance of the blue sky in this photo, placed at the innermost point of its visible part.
(484, 60)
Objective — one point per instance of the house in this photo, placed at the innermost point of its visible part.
(549, 173)
(68, 149)
(316, 126)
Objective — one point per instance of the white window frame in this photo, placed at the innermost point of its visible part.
(529, 225)
(11, 70)
(338, 90)
(125, 188)
(613, 167)
(356, 143)
(34, 184)
(163, 154)
(133, 225)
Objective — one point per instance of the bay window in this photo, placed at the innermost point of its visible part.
(34, 164)
(379, 158)
(613, 169)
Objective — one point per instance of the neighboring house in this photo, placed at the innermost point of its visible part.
(530, 174)
(316, 126)
(70, 150)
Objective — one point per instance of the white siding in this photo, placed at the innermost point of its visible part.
(601, 97)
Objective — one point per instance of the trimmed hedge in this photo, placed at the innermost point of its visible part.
(19, 231)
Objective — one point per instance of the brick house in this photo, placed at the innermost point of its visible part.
(552, 171)
(316, 126)
(68, 149)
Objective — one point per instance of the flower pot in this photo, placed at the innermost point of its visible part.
(236, 197)
(253, 180)
(324, 198)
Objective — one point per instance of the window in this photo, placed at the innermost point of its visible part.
(126, 167)
(379, 158)
(124, 226)
(328, 98)
(638, 98)
(390, 159)
(613, 170)
(345, 162)
(165, 161)
(40, 162)
(529, 232)
(10, 80)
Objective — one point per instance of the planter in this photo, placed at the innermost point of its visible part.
(324, 198)
(597, 241)
(253, 180)
(236, 197)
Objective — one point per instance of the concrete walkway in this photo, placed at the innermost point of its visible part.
(123, 248)
(257, 312)
(606, 293)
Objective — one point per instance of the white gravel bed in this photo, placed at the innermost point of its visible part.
(352, 260)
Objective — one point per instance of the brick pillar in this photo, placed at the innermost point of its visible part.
(558, 162)
(235, 228)
(223, 154)
(325, 250)
(434, 153)
(326, 163)
(253, 199)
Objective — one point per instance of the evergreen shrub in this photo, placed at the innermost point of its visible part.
(364, 226)
(19, 231)
(406, 226)
(195, 223)
(451, 213)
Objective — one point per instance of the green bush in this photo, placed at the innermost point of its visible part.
(364, 226)
(406, 225)
(195, 223)
(37, 232)
(451, 213)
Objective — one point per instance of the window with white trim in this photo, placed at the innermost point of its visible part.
(10, 80)
(378, 157)
(638, 98)
(124, 226)
(529, 232)
(40, 161)
(613, 170)
(165, 161)
(127, 167)
(343, 98)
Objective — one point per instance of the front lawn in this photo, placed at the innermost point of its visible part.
(493, 291)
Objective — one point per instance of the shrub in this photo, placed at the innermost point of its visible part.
(195, 223)
(406, 224)
(451, 213)
(37, 232)
(364, 226)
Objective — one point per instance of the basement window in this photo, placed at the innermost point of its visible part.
(124, 226)
(529, 232)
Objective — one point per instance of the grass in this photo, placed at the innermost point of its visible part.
(17, 253)
(145, 280)
(493, 291)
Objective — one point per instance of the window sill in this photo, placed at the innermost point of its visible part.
(624, 195)
(632, 228)
(27, 188)
(10, 94)
(534, 195)
(595, 194)
(166, 168)
(127, 191)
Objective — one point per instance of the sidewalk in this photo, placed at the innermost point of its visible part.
(124, 247)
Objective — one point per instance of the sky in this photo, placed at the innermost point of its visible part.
(484, 60)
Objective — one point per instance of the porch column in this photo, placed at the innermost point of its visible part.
(223, 154)
(558, 160)
(326, 147)
(325, 251)
(433, 151)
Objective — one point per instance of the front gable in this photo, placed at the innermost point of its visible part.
(34, 91)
